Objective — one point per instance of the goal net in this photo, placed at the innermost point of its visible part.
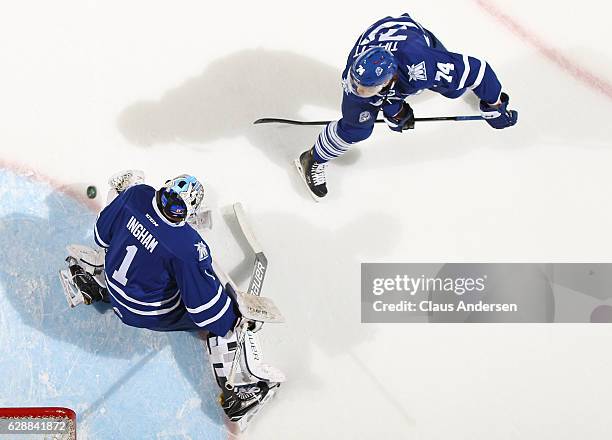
(37, 424)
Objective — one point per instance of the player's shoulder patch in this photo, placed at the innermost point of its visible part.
(202, 250)
(417, 72)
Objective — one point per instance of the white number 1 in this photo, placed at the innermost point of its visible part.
(444, 71)
(120, 275)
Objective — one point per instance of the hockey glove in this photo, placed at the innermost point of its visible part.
(499, 117)
(403, 120)
(201, 219)
(126, 179)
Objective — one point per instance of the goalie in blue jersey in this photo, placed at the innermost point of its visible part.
(156, 272)
(394, 59)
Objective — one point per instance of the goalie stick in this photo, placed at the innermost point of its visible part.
(261, 262)
(253, 306)
(260, 267)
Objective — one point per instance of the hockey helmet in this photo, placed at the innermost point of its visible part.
(180, 197)
(372, 71)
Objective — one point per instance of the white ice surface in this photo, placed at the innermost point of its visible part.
(90, 87)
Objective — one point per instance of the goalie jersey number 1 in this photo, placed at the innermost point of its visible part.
(120, 275)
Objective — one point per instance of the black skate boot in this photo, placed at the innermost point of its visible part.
(313, 174)
(85, 283)
(243, 402)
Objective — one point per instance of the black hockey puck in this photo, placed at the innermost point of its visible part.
(92, 192)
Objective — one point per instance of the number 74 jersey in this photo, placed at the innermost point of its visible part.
(424, 62)
(159, 274)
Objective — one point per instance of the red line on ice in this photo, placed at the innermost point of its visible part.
(587, 78)
(53, 183)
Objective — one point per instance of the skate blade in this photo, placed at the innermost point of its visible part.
(244, 422)
(71, 291)
(300, 170)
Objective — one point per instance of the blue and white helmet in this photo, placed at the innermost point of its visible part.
(372, 71)
(180, 197)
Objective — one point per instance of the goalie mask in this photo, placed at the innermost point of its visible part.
(180, 197)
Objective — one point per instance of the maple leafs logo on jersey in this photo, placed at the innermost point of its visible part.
(202, 251)
(417, 72)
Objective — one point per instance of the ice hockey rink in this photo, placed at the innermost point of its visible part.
(88, 88)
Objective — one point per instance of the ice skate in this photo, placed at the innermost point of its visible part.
(313, 174)
(83, 281)
(242, 403)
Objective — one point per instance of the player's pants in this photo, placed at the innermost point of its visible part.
(358, 118)
(177, 323)
(179, 320)
(185, 324)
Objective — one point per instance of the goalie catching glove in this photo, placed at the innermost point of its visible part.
(126, 179)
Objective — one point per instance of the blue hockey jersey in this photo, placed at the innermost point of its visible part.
(159, 273)
(424, 63)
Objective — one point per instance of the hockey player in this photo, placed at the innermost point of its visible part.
(392, 60)
(157, 273)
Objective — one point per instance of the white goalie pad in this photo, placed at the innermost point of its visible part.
(258, 308)
(238, 358)
(71, 291)
(91, 260)
(254, 364)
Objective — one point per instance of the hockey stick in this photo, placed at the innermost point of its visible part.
(261, 262)
(259, 272)
(378, 121)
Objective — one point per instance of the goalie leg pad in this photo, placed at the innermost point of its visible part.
(80, 287)
(91, 260)
(72, 292)
(246, 382)
(253, 359)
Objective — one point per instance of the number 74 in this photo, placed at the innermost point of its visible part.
(444, 71)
